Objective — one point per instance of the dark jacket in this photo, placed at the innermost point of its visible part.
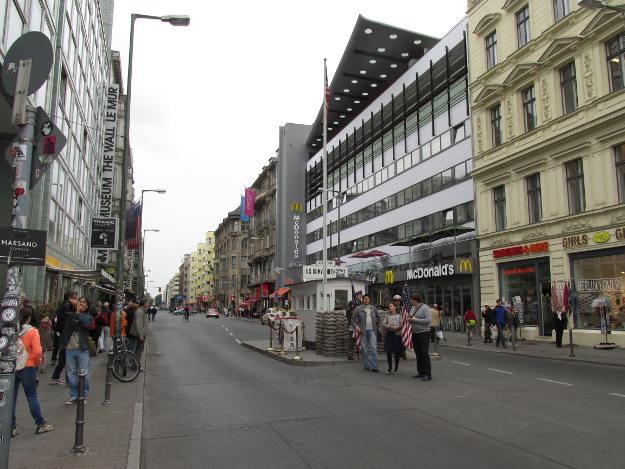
(560, 324)
(76, 322)
(59, 315)
(489, 316)
(500, 315)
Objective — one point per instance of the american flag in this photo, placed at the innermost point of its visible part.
(355, 304)
(133, 226)
(326, 88)
(406, 329)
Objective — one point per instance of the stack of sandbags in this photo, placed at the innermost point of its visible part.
(331, 334)
(319, 333)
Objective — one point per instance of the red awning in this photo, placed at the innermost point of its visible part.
(281, 291)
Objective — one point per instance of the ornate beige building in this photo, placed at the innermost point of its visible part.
(548, 114)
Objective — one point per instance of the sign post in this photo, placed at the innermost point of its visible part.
(26, 67)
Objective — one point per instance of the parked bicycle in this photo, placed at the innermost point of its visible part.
(125, 364)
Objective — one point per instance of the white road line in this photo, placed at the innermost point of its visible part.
(239, 342)
(501, 371)
(461, 363)
(227, 330)
(616, 394)
(554, 381)
(231, 334)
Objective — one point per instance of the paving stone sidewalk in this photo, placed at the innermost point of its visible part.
(538, 349)
(107, 429)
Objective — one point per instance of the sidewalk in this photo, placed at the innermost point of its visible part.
(107, 430)
(538, 349)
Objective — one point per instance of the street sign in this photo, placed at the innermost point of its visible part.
(25, 247)
(32, 45)
(48, 142)
(104, 233)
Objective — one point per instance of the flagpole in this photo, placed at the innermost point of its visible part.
(324, 195)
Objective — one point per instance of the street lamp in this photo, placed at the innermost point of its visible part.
(141, 288)
(141, 251)
(602, 6)
(338, 223)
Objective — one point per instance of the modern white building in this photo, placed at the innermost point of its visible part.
(399, 163)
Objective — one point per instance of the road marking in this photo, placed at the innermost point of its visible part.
(239, 342)
(461, 363)
(554, 381)
(501, 371)
(227, 330)
(616, 394)
(231, 334)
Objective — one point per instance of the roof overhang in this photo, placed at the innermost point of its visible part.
(383, 53)
(449, 232)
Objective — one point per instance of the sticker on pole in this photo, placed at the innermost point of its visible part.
(48, 142)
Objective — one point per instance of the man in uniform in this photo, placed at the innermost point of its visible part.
(351, 307)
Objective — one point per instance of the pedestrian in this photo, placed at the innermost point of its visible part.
(186, 312)
(488, 321)
(349, 314)
(559, 324)
(392, 340)
(76, 343)
(365, 321)
(153, 312)
(47, 342)
(61, 330)
(420, 318)
(103, 341)
(397, 303)
(139, 331)
(29, 355)
(436, 324)
(101, 320)
(470, 321)
(501, 318)
(34, 322)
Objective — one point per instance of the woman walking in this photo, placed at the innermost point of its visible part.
(28, 359)
(392, 341)
(77, 348)
(47, 342)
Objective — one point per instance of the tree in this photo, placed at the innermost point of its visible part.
(158, 300)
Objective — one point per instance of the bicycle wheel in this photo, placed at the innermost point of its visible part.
(125, 366)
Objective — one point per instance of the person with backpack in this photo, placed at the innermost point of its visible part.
(28, 359)
(64, 311)
(76, 343)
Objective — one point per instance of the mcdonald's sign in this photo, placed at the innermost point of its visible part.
(297, 207)
(465, 266)
(389, 277)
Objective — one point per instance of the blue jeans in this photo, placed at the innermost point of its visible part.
(369, 344)
(77, 360)
(28, 377)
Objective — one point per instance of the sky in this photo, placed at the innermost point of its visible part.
(208, 99)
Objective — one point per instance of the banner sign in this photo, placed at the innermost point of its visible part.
(108, 160)
(104, 233)
(315, 271)
(24, 247)
(243, 217)
(250, 199)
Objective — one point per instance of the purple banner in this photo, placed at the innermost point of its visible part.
(250, 197)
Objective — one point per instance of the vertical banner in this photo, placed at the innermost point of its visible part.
(108, 160)
(250, 198)
(242, 215)
(133, 226)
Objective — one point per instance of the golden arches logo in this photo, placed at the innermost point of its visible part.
(465, 265)
(389, 277)
(297, 207)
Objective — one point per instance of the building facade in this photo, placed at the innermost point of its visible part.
(172, 290)
(399, 164)
(202, 273)
(548, 99)
(184, 279)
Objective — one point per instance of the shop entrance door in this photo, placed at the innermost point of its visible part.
(544, 277)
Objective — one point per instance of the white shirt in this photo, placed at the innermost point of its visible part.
(369, 321)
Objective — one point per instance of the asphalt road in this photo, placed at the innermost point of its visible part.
(210, 403)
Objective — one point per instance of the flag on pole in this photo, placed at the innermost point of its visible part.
(242, 216)
(406, 329)
(354, 305)
(133, 226)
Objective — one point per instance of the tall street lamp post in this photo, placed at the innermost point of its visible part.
(141, 250)
(174, 20)
(140, 273)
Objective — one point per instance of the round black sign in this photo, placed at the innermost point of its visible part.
(32, 45)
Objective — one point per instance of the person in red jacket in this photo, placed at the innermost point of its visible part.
(29, 357)
(470, 321)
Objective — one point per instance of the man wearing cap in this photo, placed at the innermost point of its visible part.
(349, 312)
(397, 303)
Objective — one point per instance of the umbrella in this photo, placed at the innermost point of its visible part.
(376, 253)
(359, 255)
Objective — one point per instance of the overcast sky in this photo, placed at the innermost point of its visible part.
(207, 100)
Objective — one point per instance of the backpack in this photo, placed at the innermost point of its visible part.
(21, 354)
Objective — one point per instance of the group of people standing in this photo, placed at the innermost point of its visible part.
(367, 323)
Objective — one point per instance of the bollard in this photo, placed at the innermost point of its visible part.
(571, 353)
(303, 336)
(109, 379)
(270, 349)
(297, 355)
(79, 446)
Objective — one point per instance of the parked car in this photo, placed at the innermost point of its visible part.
(178, 312)
(271, 315)
(212, 313)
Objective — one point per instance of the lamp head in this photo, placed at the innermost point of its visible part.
(176, 20)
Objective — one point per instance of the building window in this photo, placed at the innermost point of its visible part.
(500, 207)
(616, 61)
(568, 87)
(575, 186)
(560, 9)
(491, 50)
(523, 26)
(495, 124)
(529, 107)
(534, 200)
(620, 171)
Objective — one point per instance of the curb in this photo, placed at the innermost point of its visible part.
(290, 361)
(136, 435)
(538, 357)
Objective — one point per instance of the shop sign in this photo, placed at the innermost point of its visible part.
(464, 265)
(389, 277)
(445, 270)
(22, 247)
(574, 241)
(522, 250)
(296, 208)
(601, 237)
(620, 233)
(599, 284)
(315, 271)
(518, 271)
(104, 233)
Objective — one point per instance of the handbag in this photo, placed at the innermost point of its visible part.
(92, 348)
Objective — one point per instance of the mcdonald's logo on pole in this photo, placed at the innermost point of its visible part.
(297, 207)
(389, 277)
(465, 265)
